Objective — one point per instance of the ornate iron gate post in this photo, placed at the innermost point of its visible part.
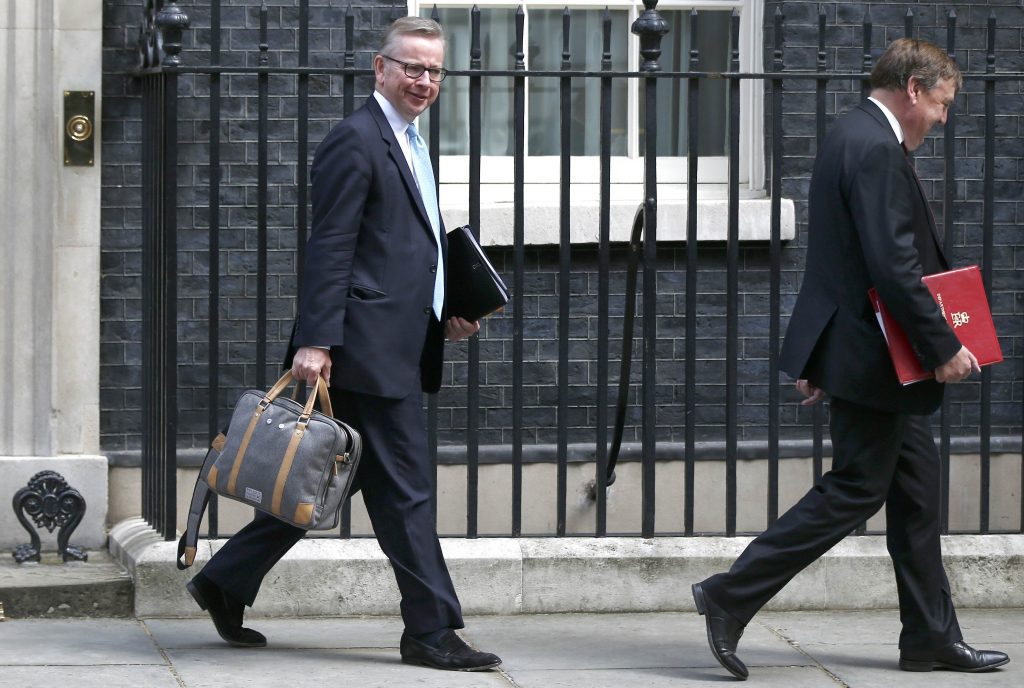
(159, 53)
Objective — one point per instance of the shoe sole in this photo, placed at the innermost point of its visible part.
(417, 662)
(913, 665)
(198, 597)
(698, 599)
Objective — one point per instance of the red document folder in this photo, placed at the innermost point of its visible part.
(961, 297)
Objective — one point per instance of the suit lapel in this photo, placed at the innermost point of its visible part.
(398, 157)
(873, 110)
(928, 213)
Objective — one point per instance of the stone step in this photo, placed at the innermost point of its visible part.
(335, 577)
(97, 588)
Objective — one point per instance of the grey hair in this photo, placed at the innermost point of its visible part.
(405, 26)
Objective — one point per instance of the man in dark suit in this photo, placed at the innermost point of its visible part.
(869, 225)
(371, 320)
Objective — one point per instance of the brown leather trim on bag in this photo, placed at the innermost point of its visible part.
(325, 396)
(240, 455)
(211, 477)
(303, 512)
(190, 555)
(218, 442)
(286, 467)
(278, 387)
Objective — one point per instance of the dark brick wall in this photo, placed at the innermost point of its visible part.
(121, 227)
(541, 350)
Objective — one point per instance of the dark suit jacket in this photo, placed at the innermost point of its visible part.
(868, 225)
(370, 262)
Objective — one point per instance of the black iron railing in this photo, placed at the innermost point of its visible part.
(159, 73)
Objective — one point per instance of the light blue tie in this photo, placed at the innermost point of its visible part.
(425, 178)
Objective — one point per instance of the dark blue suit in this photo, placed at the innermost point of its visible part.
(366, 293)
(868, 225)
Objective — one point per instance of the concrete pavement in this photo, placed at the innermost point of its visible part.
(791, 649)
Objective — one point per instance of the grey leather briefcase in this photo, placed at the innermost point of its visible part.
(281, 457)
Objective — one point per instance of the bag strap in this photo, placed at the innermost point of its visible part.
(325, 397)
(189, 540)
(319, 392)
(635, 246)
(279, 386)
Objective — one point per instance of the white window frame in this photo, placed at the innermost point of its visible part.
(542, 172)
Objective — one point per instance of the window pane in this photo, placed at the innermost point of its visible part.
(713, 46)
(544, 52)
(497, 48)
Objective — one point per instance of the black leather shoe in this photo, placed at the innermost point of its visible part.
(452, 653)
(956, 657)
(225, 612)
(724, 633)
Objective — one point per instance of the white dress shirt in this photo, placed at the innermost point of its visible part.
(893, 122)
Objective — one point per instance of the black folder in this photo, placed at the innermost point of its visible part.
(474, 288)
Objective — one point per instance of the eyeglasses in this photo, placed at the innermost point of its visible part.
(415, 71)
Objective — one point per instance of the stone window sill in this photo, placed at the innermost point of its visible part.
(542, 216)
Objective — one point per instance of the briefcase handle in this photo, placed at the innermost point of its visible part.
(319, 391)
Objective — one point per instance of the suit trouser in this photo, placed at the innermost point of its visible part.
(877, 457)
(396, 479)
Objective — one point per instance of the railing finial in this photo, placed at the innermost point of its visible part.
(650, 26)
(264, 46)
(777, 49)
(171, 21)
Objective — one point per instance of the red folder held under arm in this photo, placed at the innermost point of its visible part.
(961, 297)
